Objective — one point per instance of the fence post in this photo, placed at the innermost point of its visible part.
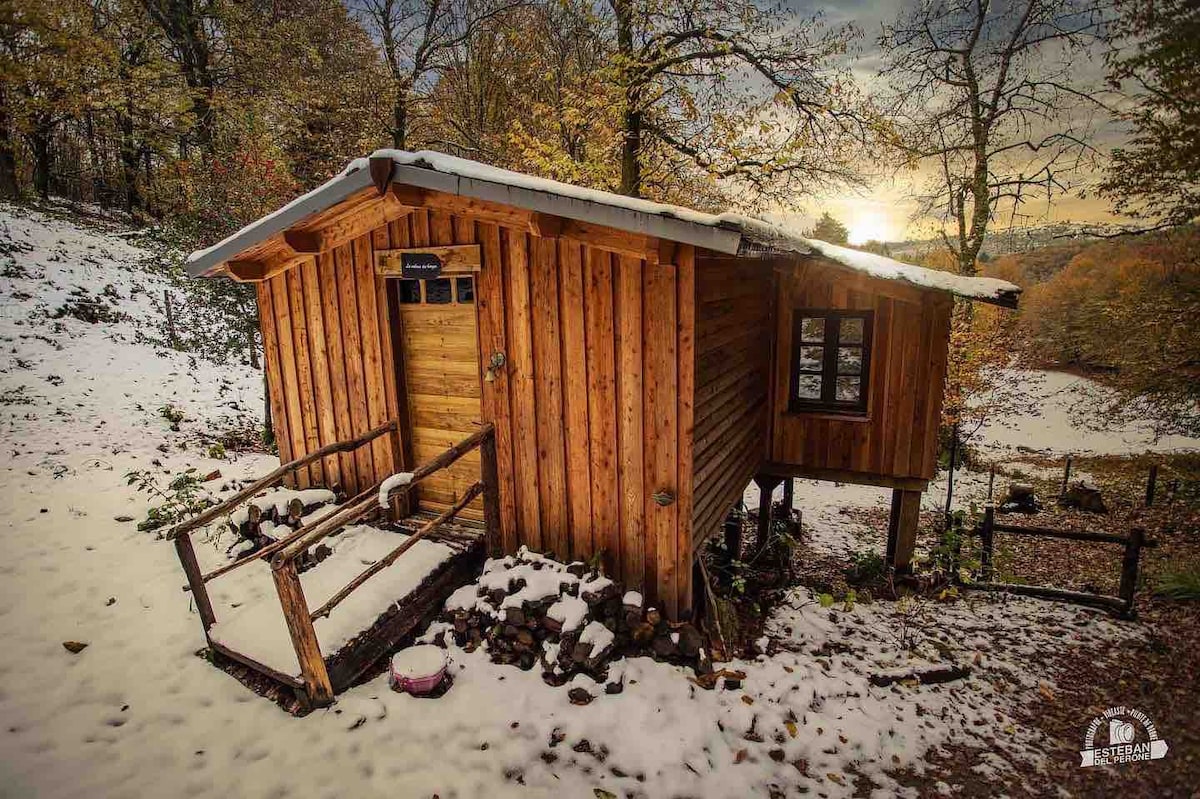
(304, 636)
(489, 475)
(1129, 566)
(991, 482)
(1151, 483)
(988, 534)
(191, 568)
(1066, 476)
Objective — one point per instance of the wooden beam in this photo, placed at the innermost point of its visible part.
(307, 242)
(844, 476)
(636, 245)
(482, 210)
(381, 167)
(456, 259)
(546, 226)
(345, 228)
(260, 270)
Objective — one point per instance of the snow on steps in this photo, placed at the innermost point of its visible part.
(250, 621)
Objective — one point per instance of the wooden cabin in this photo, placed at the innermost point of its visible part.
(641, 363)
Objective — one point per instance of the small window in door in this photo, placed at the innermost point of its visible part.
(465, 287)
(410, 292)
(437, 292)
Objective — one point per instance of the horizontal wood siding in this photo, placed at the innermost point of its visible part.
(897, 437)
(733, 314)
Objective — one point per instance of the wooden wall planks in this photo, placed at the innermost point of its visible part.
(897, 437)
(733, 313)
(593, 409)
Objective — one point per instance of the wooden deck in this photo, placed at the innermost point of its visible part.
(362, 656)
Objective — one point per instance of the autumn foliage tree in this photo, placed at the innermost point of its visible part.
(1157, 174)
(1124, 312)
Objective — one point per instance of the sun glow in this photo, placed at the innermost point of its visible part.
(867, 224)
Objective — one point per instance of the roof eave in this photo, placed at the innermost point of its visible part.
(323, 198)
(720, 239)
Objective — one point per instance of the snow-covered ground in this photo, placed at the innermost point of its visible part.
(1063, 420)
(137, 714)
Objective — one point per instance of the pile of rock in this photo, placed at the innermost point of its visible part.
(572, 622)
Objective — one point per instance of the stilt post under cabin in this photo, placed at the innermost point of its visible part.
(902, 528)
(733, 536)
(766, 487)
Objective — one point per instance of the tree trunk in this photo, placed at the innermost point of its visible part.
(130, 156)
(39, 143)
(631, 123)
(400, 119)
(9, 187)
(252, 346)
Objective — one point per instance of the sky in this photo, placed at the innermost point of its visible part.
(885, 211)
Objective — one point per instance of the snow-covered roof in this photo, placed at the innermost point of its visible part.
(729, 233)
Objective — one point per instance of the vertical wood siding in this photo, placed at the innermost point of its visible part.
(733, 313)
(324, 343)
(898, 436)
(593, 410)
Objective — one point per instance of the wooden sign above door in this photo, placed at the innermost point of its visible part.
(428, 262)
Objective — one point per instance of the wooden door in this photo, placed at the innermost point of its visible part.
(439, 353)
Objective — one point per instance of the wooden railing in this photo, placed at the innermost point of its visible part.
(285, 552)
(276, 477)
(1122, 604)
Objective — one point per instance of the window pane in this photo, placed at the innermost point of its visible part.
(812, 329)
(465, 286)
(849, 360)
(808, 387)
(851, 331)
(437, 292)
(810, 359)
(410, 291)
(847, 389)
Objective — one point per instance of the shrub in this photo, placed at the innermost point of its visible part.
(1183, 584)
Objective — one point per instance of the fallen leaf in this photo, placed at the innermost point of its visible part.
(749, 700)
(791, 728)
(740, 756)
(74, 647)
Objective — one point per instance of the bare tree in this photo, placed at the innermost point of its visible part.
(740, 90)
(988, 96)
(417, 38)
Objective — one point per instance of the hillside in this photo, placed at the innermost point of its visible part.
(136, 713)
(1120, 311)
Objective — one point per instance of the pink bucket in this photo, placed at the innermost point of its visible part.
(419, 669)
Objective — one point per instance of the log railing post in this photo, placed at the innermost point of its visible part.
(304, 635)
(988, 535)
(1129, 567)
(1066, 476)
(191, 568)
(489, 475)
(1151, 484)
